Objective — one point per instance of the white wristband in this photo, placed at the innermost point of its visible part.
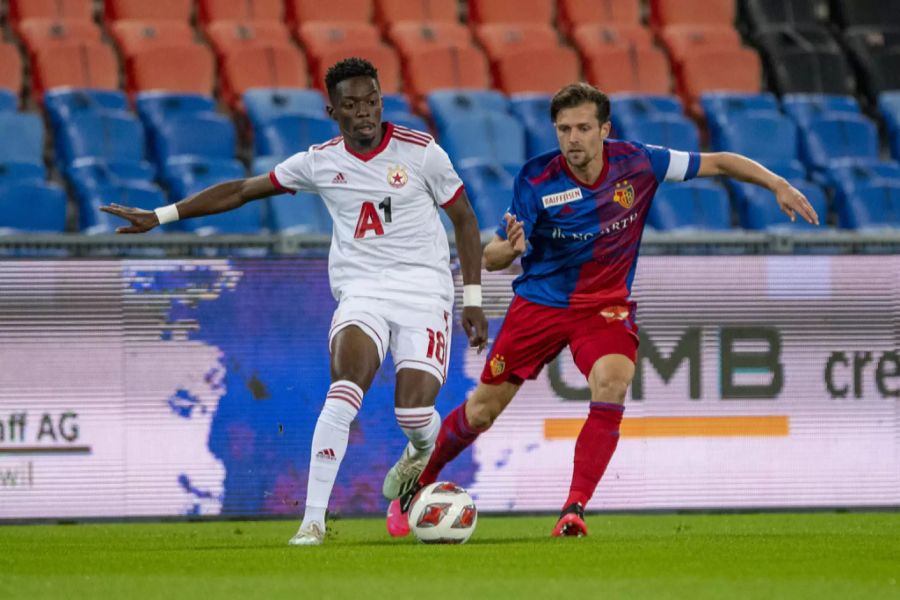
(166, 214)
(471, 295)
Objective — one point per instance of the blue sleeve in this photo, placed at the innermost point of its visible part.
(524, 208)
(673, 165)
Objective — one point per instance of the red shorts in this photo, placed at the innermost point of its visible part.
(533, 334)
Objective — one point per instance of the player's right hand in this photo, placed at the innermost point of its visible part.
(141, 220)
(515, 233)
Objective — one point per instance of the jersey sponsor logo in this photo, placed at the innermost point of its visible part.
(498, 365)
(562, 197)
(624, 194)
(339, 178)
(397, 176)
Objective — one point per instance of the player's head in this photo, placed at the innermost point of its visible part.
(580, 113)
(354, 96)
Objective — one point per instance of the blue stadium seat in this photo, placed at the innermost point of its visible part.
(111, 135)
(486, 136)
(155, 108)
(63, 103)
(664, 129)
(448, 105)
(11, 172)
(791, 169)
(838, 136)
(28, 132)
(698, 204)
(874, 205)
(533, 110)
(94, 171)
(752, 134)
(263, 165)
(720, 107)
(8, 101)
(889, 107)
(200, 134)
(139, 194)
(291, 133)
(803, 108)
(298, 214)
(489, 187)
(32, 206)
(845, 178)
(630, 107)
(408, 120)
(264, 104)
(760, 211)
(395, 103)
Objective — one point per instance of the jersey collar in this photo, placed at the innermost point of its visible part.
(388, 133)
(600, 178)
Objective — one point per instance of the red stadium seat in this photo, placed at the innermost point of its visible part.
(37, 33)
(383, 57)
(537, 70)
(240, 10)
(251, 66)
(390, 12)
(635, 70)
(713, 70)
(50, 9)
(187, 68)
(133, 36)
(446, 68)
(691, 12)
(300, 12)
(500, 40)
(411, 37)
(504, 11)
(590, 39)
(84, 65)
(573, 13)
(320, 37)
(145, 10)
(681, 40)
(10, 68)
(226, 35)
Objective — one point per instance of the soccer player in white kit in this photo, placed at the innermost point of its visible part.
(388, 267)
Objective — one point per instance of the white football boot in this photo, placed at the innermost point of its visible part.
(405, 473)
(311, 535)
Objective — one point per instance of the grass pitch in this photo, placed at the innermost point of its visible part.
(818, 555)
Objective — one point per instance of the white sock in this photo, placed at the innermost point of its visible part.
(421, 425)
(329, 444)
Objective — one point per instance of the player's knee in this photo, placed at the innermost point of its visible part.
(610, 390)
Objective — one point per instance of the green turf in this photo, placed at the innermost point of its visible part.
(820, 555)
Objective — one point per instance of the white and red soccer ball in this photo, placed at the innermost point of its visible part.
(443, 513)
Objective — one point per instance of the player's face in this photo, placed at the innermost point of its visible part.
(357, 108)
(581, 134)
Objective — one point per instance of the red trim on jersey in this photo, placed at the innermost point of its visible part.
(278, 185)
(388, 133)
(550, 170)
(331, 142)
(600, 178)
(409, 140)
(456, 196)
(412, 133)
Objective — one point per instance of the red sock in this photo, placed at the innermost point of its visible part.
(595, 446)
(455, 436)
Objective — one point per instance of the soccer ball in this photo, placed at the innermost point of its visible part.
(443, 513)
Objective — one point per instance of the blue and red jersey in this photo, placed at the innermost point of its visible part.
(583, 240)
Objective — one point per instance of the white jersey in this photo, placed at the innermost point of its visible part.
(388, 241)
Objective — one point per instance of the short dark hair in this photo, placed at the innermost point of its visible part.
(576, 94)
(348, 69)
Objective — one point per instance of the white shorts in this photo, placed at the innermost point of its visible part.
(417, 335)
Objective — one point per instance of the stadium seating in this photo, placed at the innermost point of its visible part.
(319, 37)
(344, 11)
(155, 108)
(575, 13)
(845, 178)
(691, 12)
(12, 171)
(760, 211)
(447, 105)
(75, 65)
(244, 11)
(486, 137)
(10, 68)
(502, 11)
(151, 69)
(839, 136)
(764, 14)
(664, 129)
(865, 13)
(713, 70)
(134, 36)
(265, 104)
(805, 60)
(874, 205)
(225, 36)
(631, 107)
(445, 67)
(261, 66)
(8, 100)
(27, 130)
(299, 213)
(142, 10)
(389, 12)
(39, 33)
(489, 187)
(889, 107)
(621, 69)
(411, 37)
(20, 10)
(876, 53)
(32, 206)
(197, 134)
(594, 38)
(63, 103)
(92, 172)
(287, 134)
(501, 39)
(682, 40)
(719, 107)
(381, 55)
(188, 175)
(139, 194)
(805, 107)
(694, 205)
(533, 110)
(761, 135)
(109, 135)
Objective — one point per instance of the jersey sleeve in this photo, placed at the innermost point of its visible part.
(524, 208)
(673, 165)
(295, 174)
(440, 176)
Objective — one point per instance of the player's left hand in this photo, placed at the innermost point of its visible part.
(792, 201)
(475, 325)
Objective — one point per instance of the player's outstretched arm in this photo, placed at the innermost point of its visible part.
(500, 253)
(739, 167)
(468, 245)
(215, 199)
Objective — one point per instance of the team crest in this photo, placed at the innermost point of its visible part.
(397, 176)
(498, 365)
(624, 195)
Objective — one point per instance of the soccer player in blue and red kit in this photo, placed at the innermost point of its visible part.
(576, 218)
